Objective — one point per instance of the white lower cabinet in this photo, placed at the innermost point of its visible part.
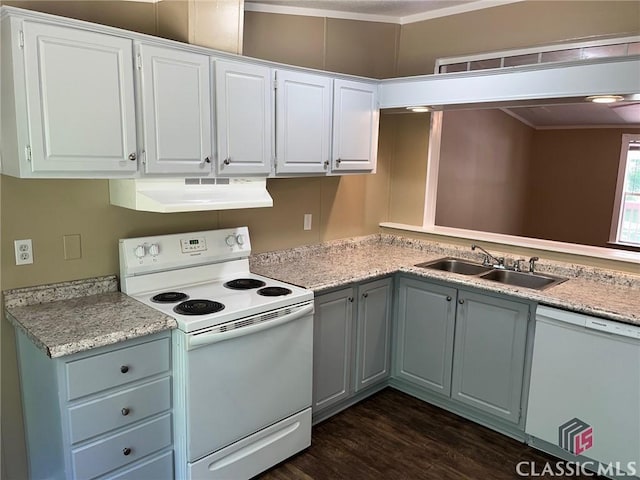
(463, 349)
(351, 343)
(104, 413)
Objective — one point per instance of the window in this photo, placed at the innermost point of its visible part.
(625, 225)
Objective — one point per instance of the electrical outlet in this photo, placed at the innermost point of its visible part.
(24, 252)
(307, 221)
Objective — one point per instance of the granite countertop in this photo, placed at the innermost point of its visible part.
(71, 317)
(589, 290)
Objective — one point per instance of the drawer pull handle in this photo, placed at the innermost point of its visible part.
(125, 411)
(126, 451)
(124, 369)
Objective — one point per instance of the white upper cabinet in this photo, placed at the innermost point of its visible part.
(175, 89)
(355, 126)
(303, 122)
(80, 101)
(244, 116)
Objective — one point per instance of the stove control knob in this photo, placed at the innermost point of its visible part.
(140, 251)
(154, 249)
(239, 239)
(231, 240)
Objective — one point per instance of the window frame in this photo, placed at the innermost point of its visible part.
(616, 216)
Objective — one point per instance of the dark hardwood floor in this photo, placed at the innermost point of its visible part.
(395, 436)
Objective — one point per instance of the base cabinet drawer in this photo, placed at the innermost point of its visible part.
(158, 468)
(114, 452)
(119, 409)
(117, 367)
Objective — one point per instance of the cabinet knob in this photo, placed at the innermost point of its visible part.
(338, 161)
(448, 298)
(365, 294)
(126, 451)
(227, 161)
(326, 164)
(350, 299)
(461, 301)
(133, 156)
(125, 411)
(124, 369)
(207, 160)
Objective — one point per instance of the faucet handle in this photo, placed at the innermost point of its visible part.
(532, 264)
(516, 265)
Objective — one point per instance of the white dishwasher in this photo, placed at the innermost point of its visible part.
(584, 396)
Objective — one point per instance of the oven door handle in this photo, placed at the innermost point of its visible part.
(195, 341)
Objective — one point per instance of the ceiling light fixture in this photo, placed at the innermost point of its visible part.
(605, 98)
(419, 109)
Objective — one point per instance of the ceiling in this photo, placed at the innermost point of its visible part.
(393, 11)
(578, 114)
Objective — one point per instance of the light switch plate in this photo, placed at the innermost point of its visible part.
(307, 221)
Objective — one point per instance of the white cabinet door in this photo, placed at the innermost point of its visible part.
(80, 100)
(176, 101)
(303, 122)
(489, 354)
(424, 336)
(374, 332)
(244, 115)
(355, 126)
(332, 348)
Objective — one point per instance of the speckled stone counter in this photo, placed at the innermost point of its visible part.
(71, 317)
(589, 290)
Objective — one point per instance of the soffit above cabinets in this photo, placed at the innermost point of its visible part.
(388, 11)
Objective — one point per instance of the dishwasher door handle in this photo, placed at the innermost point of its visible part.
(208, 338)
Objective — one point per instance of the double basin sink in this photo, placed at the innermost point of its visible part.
(536, 281)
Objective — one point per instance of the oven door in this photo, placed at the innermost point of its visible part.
(247, 377)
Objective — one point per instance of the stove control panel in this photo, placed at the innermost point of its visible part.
(167, 252)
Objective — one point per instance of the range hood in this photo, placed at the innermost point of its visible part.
(189, 194)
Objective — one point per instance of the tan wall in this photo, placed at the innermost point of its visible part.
(517, 25)
(135, 16)
(346, 46)
(409, 133)
(484, 161)
(572, 184)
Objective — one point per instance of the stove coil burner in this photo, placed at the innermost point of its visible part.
(198, 307)
(244, 284)
(274, 291)
(169, 297)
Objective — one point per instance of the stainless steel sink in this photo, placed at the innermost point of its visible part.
(455, 265)
(535, 281)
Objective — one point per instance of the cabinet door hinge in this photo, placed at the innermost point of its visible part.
(27, 151)
(144, 157)
(21, 39)
(275, 84)
(139, 62)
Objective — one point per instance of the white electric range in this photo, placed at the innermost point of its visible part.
(242, 353)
